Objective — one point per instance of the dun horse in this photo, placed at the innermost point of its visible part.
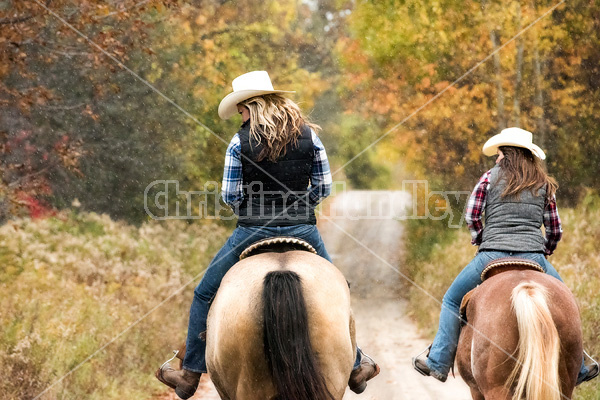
(522, 339)
(281, 327)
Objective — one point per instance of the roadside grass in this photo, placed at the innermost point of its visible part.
(577, 259)
(72, 283)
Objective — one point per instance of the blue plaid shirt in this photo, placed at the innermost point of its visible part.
(232, 186)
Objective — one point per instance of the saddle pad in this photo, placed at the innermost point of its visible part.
(264, 244)
(509, 263)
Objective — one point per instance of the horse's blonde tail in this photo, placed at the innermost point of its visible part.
(536, 371)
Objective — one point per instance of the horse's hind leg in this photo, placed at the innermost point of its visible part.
(497, 393)
(219, 387)
(476, 394)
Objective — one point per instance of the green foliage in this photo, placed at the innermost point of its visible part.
(437, 224)
(76, 282)
(424, 235)
(351, 135)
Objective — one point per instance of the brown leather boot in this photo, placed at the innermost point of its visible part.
(421, 366)
(367, 370)
(183, 381)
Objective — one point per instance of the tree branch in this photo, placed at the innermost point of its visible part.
(7, 21)
(16, 20)
(64, 108)
(33, 174)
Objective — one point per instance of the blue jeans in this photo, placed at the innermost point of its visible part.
(229, 254)
(443, 350)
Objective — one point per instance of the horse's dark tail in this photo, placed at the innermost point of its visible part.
(289, 353)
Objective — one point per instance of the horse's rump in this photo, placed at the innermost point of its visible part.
(234, 354)
(492, 341)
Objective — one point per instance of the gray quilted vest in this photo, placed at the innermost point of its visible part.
(512, 224)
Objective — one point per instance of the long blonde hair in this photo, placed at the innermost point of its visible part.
(522, 171)
(275, 121)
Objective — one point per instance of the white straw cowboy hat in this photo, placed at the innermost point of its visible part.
(516, 137)
(255, 83)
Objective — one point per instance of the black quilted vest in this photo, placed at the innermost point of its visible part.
(275, 193)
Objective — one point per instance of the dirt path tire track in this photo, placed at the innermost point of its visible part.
(383, 329)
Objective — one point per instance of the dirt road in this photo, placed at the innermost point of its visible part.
(353, 225)
(360, 222)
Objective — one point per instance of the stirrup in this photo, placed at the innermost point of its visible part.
(427, 349)
(414, 360)
(594, 362)
(364, 355)
(175, 352)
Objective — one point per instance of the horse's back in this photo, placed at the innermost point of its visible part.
(491, 303)
(235, 335)
(489, 342)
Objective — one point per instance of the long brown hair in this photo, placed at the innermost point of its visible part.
(275, 121)
(524, 171)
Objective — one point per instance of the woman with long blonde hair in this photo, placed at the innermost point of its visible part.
(517, 197)
(276, 172)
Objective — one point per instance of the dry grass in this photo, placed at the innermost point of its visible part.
(577, 259)
(71, 284)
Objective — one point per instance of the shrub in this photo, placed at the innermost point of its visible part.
(73, 283)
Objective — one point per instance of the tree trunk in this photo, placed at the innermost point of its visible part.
(498, 78)
(518, 72)
(539, 93)
(497, 72)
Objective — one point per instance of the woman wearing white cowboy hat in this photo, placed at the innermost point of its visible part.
(517, 197)
(277, 151)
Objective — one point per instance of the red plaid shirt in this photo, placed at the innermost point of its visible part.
(476, 205)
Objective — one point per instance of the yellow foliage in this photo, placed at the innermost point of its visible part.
(75, 283)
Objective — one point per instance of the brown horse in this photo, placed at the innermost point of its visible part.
(281, 327)
(522, 339)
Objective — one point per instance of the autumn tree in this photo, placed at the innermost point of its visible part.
(59, 94)
(77, 124)
(428, 71)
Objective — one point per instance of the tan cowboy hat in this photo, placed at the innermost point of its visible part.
(255, 83)
(516, 137)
